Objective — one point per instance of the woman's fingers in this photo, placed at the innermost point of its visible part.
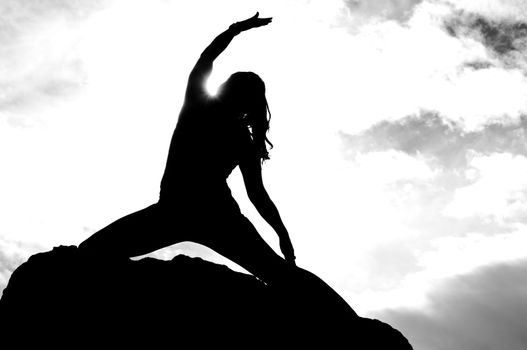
(264, 21)
(253, 22)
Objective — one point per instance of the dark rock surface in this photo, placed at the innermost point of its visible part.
(64, 299)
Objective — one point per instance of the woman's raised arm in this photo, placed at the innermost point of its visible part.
(203, 67)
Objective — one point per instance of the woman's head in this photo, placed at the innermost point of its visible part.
(243, 94)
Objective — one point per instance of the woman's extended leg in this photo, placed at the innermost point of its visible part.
(139, 233)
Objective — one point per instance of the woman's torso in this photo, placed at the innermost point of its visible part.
(205, 147)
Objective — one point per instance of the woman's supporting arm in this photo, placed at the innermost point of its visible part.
(252, 176)
(203, 67)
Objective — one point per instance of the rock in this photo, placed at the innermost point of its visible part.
(65, 299)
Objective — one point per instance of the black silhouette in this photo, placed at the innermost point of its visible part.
(94, 293)
(213, 136)
(67, 300)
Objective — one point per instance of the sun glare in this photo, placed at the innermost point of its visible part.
(212, 87)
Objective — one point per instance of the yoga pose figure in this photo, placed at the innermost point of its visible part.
(213, 135)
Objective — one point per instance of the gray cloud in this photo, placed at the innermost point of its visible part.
(505, 39)
(443, 142)
(486, 309)
(478, 64)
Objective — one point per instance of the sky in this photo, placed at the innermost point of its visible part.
(400, 133)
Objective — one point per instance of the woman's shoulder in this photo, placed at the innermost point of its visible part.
(196, 111)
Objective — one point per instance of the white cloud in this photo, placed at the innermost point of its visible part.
(394, 71)
(498, 191)
(452, 256)
(40, 64)
(364, 10)
(508, 10)
(12, 254)
(398, 70)
(392, 166)
(478, 97)
(446, 258)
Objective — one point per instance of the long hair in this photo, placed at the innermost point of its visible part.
(245, 92)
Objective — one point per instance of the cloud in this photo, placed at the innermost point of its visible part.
(12, 254)
(484, 309)
(498, 189)
(499, 10)
(476, 180)
(506, 40)
(403, 166)
(39, 63)
(398, 10)
(398, 69)
(20, 18)
(441, 141)
(429, 261)
(40, 86)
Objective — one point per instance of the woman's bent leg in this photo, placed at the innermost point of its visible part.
(235, 238)
(240, 242)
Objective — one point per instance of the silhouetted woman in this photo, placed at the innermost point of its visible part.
(213, 135)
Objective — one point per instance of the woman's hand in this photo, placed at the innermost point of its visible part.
(287, 249)
(250, 23)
